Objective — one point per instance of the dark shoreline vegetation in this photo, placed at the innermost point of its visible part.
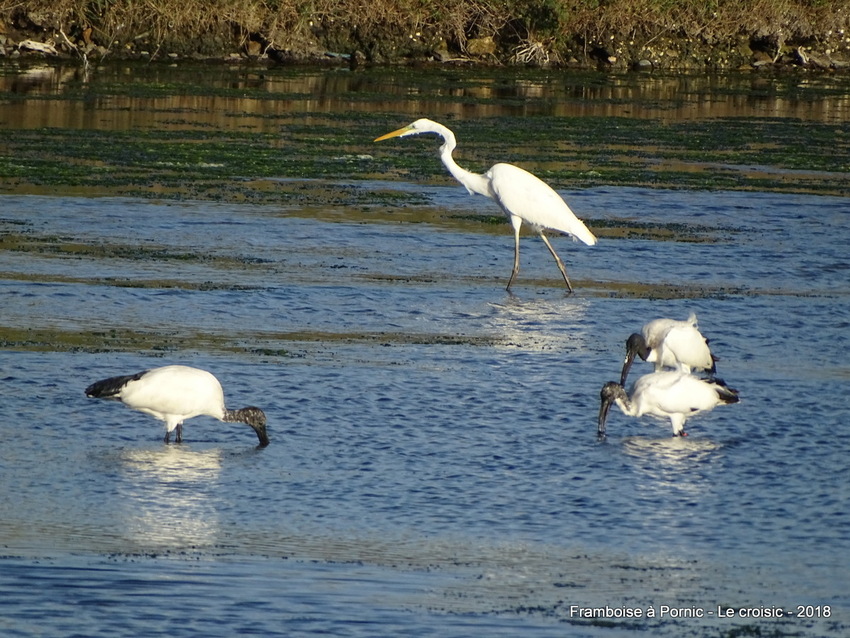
(617, 34)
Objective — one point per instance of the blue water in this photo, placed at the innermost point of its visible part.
(434, 468)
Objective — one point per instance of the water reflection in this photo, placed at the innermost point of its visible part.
(40, 80)
(165, 495)
(671, 462)
(540, 324)
(675, 484)
(258, 99)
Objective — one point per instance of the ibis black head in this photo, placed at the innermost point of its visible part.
(611, 391)
(252, 416)
(635, 345)
(256, 418)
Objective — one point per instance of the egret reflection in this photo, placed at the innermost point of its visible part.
(540, 324)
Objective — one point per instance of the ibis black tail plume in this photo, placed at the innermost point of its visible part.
(111, 387)
(724, 392)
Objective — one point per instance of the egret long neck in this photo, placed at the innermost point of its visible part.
(474, 182)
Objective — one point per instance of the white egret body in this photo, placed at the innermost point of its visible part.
(669, 343)
(176, 393)
(670, 395)
(522, 196)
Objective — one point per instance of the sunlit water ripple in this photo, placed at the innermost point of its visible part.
(434, 469)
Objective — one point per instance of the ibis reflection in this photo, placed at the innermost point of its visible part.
(168, 496)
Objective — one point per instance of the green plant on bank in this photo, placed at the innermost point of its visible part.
(526, 31)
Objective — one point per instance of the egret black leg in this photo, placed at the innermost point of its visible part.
(516, 258)
(179, 437)
(557, 261)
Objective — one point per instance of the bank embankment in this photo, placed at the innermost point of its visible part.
(616, 34)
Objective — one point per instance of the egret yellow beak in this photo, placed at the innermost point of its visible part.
(397, 133)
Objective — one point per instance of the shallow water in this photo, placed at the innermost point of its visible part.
(434, 468)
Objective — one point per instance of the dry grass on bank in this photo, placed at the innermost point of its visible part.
(530, 31)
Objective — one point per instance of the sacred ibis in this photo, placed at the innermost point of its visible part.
(669, 343)
(175, 393)
(670, 394)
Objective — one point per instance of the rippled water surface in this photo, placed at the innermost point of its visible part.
(434, 468)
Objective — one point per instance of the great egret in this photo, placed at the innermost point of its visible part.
(670, 395)
(176, 393)
(521, 195)
(669, 343)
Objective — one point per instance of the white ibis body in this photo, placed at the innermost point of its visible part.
(176, 393)
(669, 394)
(669, 343)
(522, 196)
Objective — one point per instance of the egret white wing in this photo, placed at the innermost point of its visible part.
(522, 194)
